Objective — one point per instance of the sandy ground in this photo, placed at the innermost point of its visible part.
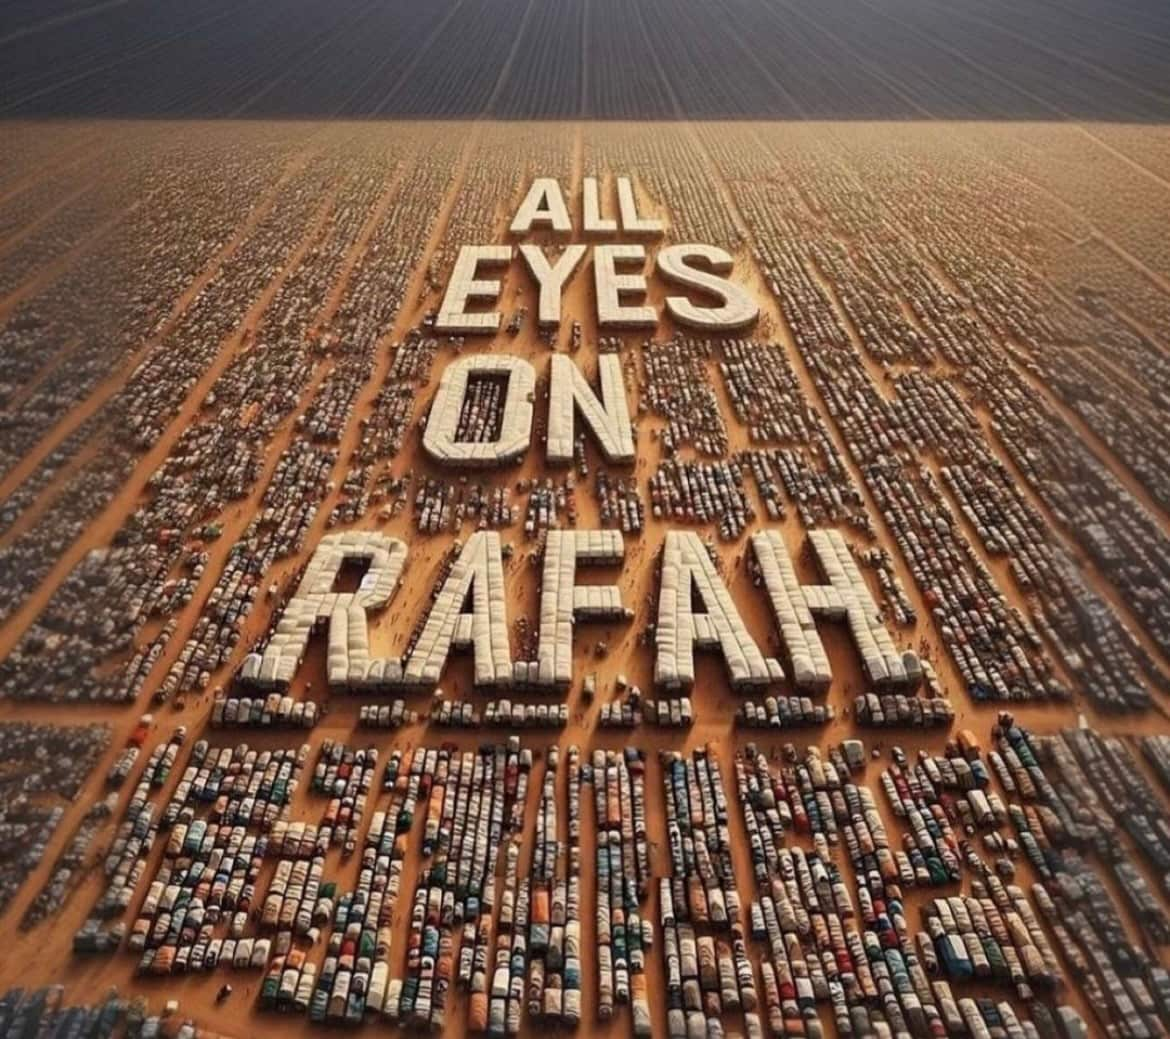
(43, 954)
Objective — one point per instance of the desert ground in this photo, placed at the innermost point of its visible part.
(216, 349)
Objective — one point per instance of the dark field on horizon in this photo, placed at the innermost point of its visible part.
(601, 59)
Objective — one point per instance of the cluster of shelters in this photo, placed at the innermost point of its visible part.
(547, 499)
(229, 805)
(322, 315)
(445, 505)
(46, 767)
(124, 865)
(703, 493)
(678, 388)
(810, 476)
(109, 310)
(44, 1011)
(70, 865)
(392, 715)
(708, 973)
(344, 776)
(95, 612)
(475, 806)
(354, 968)
(1058, 826)
(888, 433)
(622, 860)
(783, 712)
(619, 502)
(858, 950)
(273, 711)
(546, 929)
(898, 711)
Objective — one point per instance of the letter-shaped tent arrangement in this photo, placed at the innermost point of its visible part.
(687, 571)
(551, 278)
(478, 572)
(563, 602)
(738, 310)
(464, 286)
(688, 577)
(798, 631)
(543, 206)
(608, 418)
(845, 598)
(611, 287)
(440, 441)
(315, 602)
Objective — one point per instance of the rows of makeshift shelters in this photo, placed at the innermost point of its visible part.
(783, 712)
(47, 765)
(622, 862)
(678, 388)
(273, 711)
